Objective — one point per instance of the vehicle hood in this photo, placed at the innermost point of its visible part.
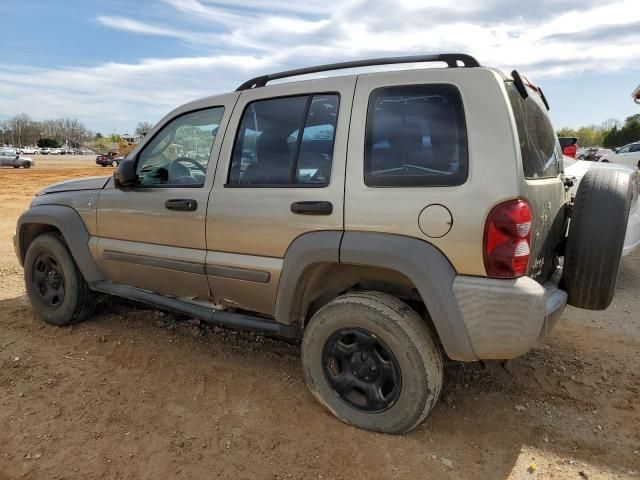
(90, 183)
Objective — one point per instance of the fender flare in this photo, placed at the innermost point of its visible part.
(73, 230)
(304, 252)
(420, 261)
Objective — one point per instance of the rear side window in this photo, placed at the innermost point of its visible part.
(541, 155)
(416, 136)
(285, 142)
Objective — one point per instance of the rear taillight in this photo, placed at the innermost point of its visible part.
(507, 236)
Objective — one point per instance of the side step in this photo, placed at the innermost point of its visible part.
(211, 316)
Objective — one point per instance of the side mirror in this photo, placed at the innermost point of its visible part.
(125, 175)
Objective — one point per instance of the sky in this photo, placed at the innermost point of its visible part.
(114, 63)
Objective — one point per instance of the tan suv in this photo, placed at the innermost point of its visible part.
(383, 218)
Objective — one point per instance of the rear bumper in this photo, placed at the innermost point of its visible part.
(505, 318)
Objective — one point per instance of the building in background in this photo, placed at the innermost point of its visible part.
(131, 139)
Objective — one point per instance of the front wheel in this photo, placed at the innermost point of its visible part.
(26, 164)
(373, 362)
(114, 164)
(57, 290)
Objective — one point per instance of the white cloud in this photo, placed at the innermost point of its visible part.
(544, 38)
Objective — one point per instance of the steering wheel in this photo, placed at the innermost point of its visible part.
(177, 170)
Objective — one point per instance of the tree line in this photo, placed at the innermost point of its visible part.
(609, 134)
(22, 130)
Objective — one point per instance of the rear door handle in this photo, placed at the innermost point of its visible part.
(182, 204)
(312, 208)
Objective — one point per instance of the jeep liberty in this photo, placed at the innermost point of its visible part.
(385, 219)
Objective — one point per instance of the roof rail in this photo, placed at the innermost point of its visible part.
(451, 59)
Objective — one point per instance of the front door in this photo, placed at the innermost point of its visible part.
(628, 155)
(152, 236)
(280, 175)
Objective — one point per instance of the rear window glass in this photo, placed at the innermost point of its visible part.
(416, 136)
(541, 155)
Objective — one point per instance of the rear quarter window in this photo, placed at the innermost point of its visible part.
(539, 147)
(416, 136)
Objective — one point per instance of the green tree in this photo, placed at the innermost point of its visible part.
(48, 143)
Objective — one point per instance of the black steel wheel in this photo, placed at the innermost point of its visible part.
(372, 361)
(362, 370)
(48, 280)
(58, 292)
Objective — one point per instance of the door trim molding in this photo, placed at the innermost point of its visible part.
(258, 276)
(149, 261)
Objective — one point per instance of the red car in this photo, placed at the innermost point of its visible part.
(569, 146)
(106, 160)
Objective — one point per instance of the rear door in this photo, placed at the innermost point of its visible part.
(543, 185)
(280, 175)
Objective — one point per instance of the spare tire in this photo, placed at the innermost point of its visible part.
(596, 237)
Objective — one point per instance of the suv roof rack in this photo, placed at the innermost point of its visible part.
(451, 59)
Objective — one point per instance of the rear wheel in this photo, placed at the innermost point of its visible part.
(56, 288)
(596, 237)
(16, 166)
(372, 361)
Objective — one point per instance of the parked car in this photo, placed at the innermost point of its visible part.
(28, 150)
(377, 217)
(627, 155)
(45, 151)
(577, 170)
(569, 146)
(598, 153)
(10, 158)
(108, 160)
(582, 153)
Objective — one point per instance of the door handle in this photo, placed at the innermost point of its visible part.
(312, 208)
(182, 204)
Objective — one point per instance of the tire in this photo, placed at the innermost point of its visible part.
(75, 301)
(392, 324)
(596, 237)
(16, 166)
(114, 164)
(26, 164)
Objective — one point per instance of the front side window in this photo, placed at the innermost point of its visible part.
(416, 136)
(179, 154)
(539, 146)
(285, 141)
(634, 148)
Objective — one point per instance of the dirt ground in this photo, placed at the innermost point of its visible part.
(132, 394)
